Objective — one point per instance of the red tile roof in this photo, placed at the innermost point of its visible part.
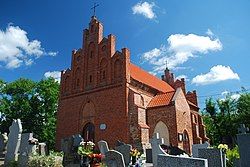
(148, 79)
(161, 100)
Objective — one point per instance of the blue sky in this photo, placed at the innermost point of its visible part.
(208, 42)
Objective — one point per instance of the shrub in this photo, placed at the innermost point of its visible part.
(52, 160)
(232, 155)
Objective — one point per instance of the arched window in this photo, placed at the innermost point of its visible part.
(88, 132)
(117, 69)
(77, 78)
(91, 50)
(186, 144)
(66, 83)
(103, 69)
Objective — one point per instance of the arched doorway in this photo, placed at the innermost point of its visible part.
(88, 132)
(162, 129)
(186, 144)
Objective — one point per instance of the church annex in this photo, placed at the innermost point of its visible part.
(103, 96)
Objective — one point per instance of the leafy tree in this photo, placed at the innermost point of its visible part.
(220, 118)
(243, 106)
(35, 103)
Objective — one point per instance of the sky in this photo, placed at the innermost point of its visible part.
(207, 42)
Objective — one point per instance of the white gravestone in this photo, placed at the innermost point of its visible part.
(156, 141)
(103, 147)
(14, 139)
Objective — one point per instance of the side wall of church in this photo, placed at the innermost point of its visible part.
(138, 99)
(183, 117)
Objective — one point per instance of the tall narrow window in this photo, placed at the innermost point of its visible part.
(103, 74)
(77, 83)
(90, 79)
(91, 54)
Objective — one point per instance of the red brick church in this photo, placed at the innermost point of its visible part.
(103, 96)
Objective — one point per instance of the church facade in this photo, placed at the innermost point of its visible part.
(103, 96)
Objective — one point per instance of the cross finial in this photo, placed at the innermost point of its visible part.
(95, 5)
(167, 64)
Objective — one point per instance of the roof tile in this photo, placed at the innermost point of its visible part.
(144, 77)
(161, 100)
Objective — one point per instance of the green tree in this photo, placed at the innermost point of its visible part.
(220, 118)
(243, 107)
(35, 103)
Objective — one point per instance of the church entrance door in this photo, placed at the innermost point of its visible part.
(89, 132)
(162, 129)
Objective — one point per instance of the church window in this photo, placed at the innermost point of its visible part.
(91, 54)
(180, 136)
(103, 74)
(77, 83)
(117, 69)
(142, 101)
(90, 79)
(66, 84)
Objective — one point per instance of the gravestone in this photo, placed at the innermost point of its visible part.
(176, 161)
(243, 140)
(114, 159)
(14, 139)
(243, 129)
(196, 147)
(125, 151)
(149, 158)
(67, 148)
(103, 147)
(156, 141)
(2, 144)
(42, 149)
(214, 156)
(77, 140)
(26, 149)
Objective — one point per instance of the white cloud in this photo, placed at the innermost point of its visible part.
(216, 74)
(54, 74)
(145, 9)
(179, 49)
(182, 76)
(234, 96)
(52, 53)
(225, 93)
(209, 33)
(17, 49)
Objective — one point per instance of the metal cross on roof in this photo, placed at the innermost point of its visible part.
(95, 5)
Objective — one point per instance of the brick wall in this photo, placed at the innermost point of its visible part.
(109, 110)
(167, 115)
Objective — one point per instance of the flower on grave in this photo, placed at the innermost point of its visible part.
(134, 152)
(85, 148)
(96, 158)
(223, 147)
